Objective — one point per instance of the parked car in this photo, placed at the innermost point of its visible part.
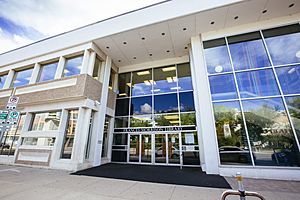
(175, 152)
(286, 157)
(4, 145)
(235, 154)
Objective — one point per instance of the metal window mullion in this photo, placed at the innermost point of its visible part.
(129, 107)
(240, 102)
(178, 102)
(281, 92)
(152, 96)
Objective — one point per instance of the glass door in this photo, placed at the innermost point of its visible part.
(160, 148)
(146, 148)
(173, 149)
(134, 148)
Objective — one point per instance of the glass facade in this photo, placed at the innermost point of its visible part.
(47, 72)
(73, 66)
(256, 113)
(22, 77)
(2, 80)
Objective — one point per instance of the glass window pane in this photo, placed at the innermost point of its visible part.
(270, 133)
(186, 101)
(165, 103)
(22, 77)
(142, 82)
(293, 104)
(122, 107)
(141, 105)
(257, 83)
(248, 51)
(141, 121)
(218, 91)
(165, 79)
(232, 139)
(120, 139)
(69, 134)
(2, 80)
(166, 120)
(121, 122)
(97, 67)
(283, 44)
(124, 84)
(45, 121)
(38, 141)
(289, 78)
(73, 66)
(188, 119)
(47, 72)
(184, 77)
(216, 56)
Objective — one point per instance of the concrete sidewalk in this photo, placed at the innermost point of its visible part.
(22, 183)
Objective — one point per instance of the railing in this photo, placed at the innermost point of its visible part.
(241, 191)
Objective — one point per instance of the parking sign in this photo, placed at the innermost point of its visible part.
(13, 117)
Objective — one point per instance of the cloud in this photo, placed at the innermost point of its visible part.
(146, 108)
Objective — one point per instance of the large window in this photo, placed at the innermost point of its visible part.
(73, 66)
(2, 80)
(47, 72)
(69, 134)
(256, 99)
(47, 121)
(22, 77)
(10, 139)
(156, 97)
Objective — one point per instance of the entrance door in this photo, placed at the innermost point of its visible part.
(173, 149)
(146, 148)
(134, 149)
(160, 148)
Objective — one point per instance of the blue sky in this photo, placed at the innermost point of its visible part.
(25, 21)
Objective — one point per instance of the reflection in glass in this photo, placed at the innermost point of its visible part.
(141, 121)
(69, 134)
(47, 72)
(160, 148)
(122, 107)
(124, 84)
(73, 66)
(146, 149)
(45, 121)
(166, 120)
(38, 141)
(186, 101)
(97, 67)
(173, 149)
(165, 79)
(248, 51)
(232, 139)
(283, 44)
(165, 103)
(9, 141)
(188, 119)
(121, 122)
(222, 87)
(2, 80)
(257, 83)
(293, 104)
(184, 77)
(22, 77)
(289, 78)
(190, 148)
(142, 83)
(134, 150)
(141, 105)
(216, 56)
(120, 139)
(270, 133)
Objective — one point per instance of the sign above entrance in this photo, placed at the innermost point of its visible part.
(155, 129)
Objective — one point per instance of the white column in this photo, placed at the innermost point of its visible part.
(58, 145)
(60, 67)
(35, 73)
(91, 63)
(9, 79)
(110, 137)
(102, 111)
(205, 119)
(85, 62)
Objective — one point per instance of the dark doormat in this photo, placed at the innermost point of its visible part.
(157, 174)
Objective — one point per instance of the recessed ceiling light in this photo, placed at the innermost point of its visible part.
(150, 54)
(184, 29)
(107, 47)
(167, 51)
(264, 11)
(143, 38)
(291, 5)
(163, 34)
(119, 60)
(185, 47)
(134, 58)
(236, 17)
(212, 23)
(124, 42)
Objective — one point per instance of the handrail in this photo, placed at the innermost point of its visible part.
(241, 191)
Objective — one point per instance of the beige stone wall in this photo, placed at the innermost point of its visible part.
(111, 99)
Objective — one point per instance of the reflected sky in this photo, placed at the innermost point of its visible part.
(165, 103)
(142, 83)
(73, 66)
(48, 72)
(217, 60)
(2, 80)
(141, 105)
(289, 78)
(22, 77)
(222, 87)
(186, 101)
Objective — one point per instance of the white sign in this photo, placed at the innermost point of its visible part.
(146, 139)
(189, 138)
(13, 117)
(173, 139)
(190, 148)
(12, 103)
